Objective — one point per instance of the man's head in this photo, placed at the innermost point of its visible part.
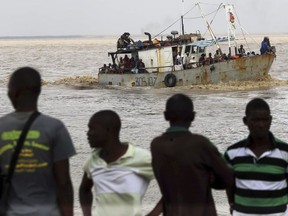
(24, 87)
(103, 126)
(258, 118)
(179, 110)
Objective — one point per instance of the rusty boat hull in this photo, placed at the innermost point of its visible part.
(241, 69)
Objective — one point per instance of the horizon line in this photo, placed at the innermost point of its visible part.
(108, 35)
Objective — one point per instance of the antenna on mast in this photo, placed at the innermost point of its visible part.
(182, 18)
(182, 22)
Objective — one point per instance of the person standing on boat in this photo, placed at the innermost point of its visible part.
(202, 60)
(125, 41)
(186, 61)
(121, 65)
(260, 164)
(141, 66)
(126, 61)
(178, 64)
(120, 172)
(174, 53)
(241, 51)
(217, 56)
(209, 60)
(265, 46)
(104, 69)
(224, 57)
(178, 59)
(187, 165)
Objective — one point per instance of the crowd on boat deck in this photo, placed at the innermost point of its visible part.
(131, 65)
(181, 63)
(125, 65)
(203, 60)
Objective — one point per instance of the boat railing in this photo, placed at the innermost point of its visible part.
(157, 69)
(162, 69)
(139, 70)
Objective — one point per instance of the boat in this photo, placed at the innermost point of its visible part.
(180, 59)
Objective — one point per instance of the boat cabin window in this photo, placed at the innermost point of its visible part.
(187, 49)
(194, 49)
(201, 49)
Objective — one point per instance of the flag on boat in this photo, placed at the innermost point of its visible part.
(230, 15)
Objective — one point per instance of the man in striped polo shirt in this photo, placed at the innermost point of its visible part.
(260, 165)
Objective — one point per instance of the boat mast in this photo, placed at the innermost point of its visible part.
(182, 18)
(182, 22)
(209, 29)
(230, 19)
(228, 29)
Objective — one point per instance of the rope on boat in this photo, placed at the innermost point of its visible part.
(243, 30)
(174, 22)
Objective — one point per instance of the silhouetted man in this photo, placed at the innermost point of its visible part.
(186, 164)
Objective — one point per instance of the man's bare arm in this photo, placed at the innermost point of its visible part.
(157, 210)
(85, 195)
(230, 197)
(65, 194)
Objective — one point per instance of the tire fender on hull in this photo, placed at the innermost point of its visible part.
(170, 80)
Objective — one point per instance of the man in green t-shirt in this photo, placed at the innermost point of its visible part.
(41, 183)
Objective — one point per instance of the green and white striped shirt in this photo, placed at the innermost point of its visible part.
(260, 183)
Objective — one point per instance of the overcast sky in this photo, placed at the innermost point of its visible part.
(113, 17)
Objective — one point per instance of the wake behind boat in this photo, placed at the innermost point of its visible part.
(181, 60)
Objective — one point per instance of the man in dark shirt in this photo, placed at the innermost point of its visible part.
(186, 164)
(265, 46)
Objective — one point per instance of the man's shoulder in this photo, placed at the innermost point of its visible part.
(159, 140)
(138, 151)
(188, 138)
(200, 137)
(5, 117)
(240, 144)
(42, 116)
(282, 145)
(138, 155)
(50, 120)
